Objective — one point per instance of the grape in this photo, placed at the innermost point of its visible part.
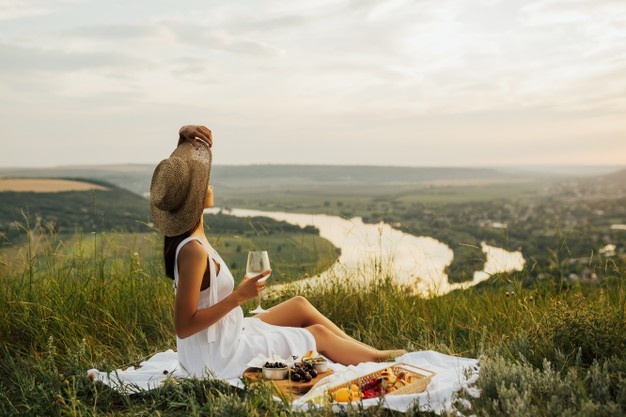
(274, 365)
(302, 372)
(295, 376)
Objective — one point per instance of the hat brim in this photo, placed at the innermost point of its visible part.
(187, 215)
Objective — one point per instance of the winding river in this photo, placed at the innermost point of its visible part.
(415, 262)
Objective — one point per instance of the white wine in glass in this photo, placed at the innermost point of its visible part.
(258, 261)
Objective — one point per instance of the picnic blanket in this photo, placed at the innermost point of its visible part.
(453, 374)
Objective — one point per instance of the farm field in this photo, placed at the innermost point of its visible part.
(45, 185)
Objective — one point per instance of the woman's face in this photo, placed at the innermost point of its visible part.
(208, 201)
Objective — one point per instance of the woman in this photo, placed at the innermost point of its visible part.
(212, 334)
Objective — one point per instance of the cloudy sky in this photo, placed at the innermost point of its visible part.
(384, 82)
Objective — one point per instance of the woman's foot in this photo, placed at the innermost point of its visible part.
(390, 355)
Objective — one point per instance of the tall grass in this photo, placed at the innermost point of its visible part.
(68, 305)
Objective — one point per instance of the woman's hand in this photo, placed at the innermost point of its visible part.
(190, 133)
(250, 287)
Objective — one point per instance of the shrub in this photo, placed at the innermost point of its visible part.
(518, 388)
(585, 328)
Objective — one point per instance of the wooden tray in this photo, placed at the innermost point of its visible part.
(286, 387)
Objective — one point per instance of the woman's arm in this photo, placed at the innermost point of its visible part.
(192, 262)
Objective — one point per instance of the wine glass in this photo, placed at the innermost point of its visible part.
(258, 261)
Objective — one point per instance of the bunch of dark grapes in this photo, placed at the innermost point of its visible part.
(302, 372)
(274, 365)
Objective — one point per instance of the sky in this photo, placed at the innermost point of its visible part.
(340, 82)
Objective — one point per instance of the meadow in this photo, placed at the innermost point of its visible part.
(102, 302)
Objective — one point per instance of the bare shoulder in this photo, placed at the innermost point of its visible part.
(192, 252)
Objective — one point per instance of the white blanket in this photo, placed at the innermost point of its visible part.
(452, 374)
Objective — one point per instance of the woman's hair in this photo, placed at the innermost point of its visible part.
(170, 244)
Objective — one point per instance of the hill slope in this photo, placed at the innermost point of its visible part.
(137, 177)
(71, 211)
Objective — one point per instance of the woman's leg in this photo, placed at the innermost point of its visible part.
(299, 312)
(347, 351)
(331, 340)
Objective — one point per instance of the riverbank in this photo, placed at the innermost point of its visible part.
(418, 263)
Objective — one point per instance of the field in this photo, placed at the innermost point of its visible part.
(549, 345)
(46, 185)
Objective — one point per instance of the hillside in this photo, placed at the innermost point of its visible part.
(137, 177)
(611, 185)
(235, 179)
(616, 179)
(65, 212)
(98, 206)
(550, 338)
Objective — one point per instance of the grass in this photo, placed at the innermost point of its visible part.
(101, 301)
(293, 255)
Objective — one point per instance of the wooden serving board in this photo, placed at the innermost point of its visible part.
(286, 387)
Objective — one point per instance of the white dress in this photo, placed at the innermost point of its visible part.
(224, 349)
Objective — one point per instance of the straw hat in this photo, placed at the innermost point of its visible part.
(178, 189)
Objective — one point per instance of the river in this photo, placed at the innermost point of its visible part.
(415, 262)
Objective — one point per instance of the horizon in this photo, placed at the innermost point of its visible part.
(374, 83)
(580, 169)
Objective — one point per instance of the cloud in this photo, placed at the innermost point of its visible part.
(170, 34)
(18, 59)
(223, 40)
(19, 9)
(119, 32)
(324, 72)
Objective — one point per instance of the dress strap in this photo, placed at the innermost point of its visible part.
(212, 330)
